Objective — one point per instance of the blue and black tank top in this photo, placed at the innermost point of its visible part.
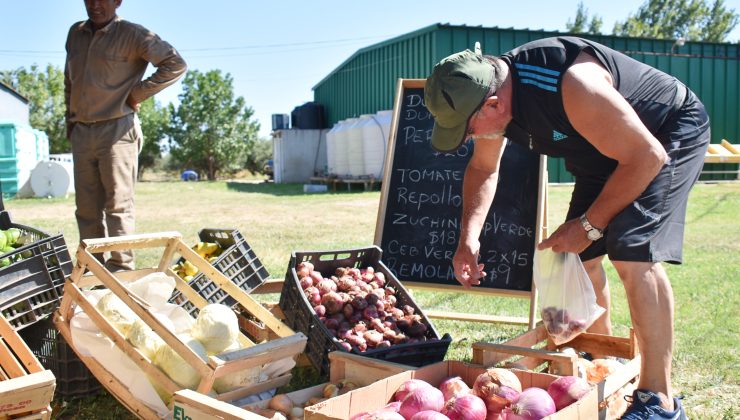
(538, 116)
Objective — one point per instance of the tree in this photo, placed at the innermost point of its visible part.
(692, 20)
(154, 125)
(211, 131)
(578, 26)
(260, 153)
(45, 93)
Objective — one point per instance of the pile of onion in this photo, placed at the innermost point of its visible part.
(359, 309)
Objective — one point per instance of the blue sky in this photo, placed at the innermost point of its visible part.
(276, 51)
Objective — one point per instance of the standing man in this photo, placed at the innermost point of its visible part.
(103, 89)
(633, 137)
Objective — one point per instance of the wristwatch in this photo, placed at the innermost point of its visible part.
(591, 232)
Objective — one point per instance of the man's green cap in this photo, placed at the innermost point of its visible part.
(454, 91)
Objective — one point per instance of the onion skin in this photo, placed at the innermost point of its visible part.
(498, 388)
(566, 390)
(533, 404)
(420, 399)
(453, 387)
(465, 407)
(407, 387)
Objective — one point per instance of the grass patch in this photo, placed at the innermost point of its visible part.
(279, 219)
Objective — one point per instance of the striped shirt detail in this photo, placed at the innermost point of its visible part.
(537, 69)
(539, 85)
(538, 76)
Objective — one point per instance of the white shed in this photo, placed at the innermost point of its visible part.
(298, 155)
(13, 106)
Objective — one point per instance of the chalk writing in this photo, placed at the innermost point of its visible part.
(423, 206)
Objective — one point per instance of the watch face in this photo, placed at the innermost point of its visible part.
(593, 234)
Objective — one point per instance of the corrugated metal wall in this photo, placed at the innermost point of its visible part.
(365, 82)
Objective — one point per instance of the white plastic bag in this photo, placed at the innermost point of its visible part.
(567, 301)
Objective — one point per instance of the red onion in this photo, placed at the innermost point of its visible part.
(303, 270)
(498, 388)
(326, 286)
(306, 282)
(533, 404)
(453, 387)
(420, 399)
(567, 389)
(316, 277)
(429, 415)
(494, 416)
(465, 407)
(407, 387)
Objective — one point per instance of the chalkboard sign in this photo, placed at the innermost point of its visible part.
(420, 214)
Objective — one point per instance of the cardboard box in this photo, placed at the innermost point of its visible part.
(380, 393)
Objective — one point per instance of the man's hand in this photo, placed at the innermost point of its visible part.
(130, 101)
(465, 263)
(569, 237)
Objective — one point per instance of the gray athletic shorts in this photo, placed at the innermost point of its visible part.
(651, 228)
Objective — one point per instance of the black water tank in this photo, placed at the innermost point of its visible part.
(308, 116)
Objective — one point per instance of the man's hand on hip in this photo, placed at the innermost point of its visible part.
(130, 101)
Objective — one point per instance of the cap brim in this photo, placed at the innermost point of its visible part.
(448, 139)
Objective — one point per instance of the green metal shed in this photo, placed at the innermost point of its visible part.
(366, 81)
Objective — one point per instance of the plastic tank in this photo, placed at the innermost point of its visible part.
(354, 146)
(374, 141)
(331, 149)
(18, 156)
(341, 158)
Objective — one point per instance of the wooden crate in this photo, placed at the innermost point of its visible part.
(380, 392)
(288, 345)
(26, 388)
(360, 370)
(534, 348)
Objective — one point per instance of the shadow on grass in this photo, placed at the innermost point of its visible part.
(283, 189)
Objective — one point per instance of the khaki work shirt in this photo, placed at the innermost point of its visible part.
(106, 66)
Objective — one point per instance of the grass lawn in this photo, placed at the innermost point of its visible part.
(278, 219)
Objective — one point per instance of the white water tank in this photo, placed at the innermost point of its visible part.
(53, 178)
(341, 157)
(331, 149)
(374, 142)
(354, 146)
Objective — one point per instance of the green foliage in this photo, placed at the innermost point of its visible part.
(211, 130)
(260, 153)
(45, 92)
(154, 125)
(692, 20)
(578, 25)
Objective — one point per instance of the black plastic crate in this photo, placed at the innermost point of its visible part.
(31, 287)
(300, 316)
(74, 379)
(237, 262)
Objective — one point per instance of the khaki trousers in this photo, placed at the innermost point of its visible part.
(106, 157)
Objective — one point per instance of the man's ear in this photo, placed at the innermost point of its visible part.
(493, 103)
